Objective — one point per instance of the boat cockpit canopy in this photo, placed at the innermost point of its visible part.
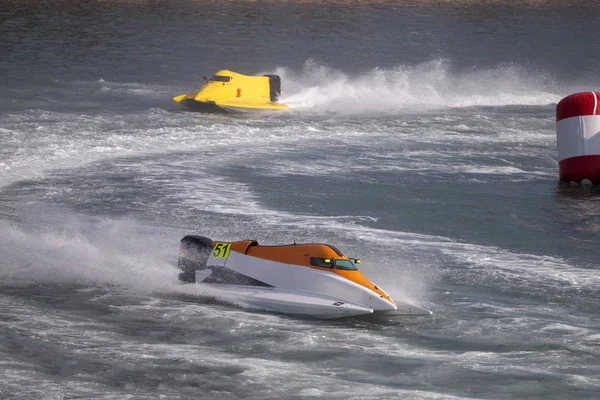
(346, 265)
(220, 78)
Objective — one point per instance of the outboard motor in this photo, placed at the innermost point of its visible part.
(194, 252)
(275, 87)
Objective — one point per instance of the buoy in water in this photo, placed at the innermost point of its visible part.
(578, 138)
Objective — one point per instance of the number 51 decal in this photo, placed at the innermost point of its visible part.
(221, 250)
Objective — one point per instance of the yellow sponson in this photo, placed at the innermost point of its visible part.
(229, 91)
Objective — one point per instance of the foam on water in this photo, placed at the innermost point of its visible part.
(67, 141)
(79, 250)
(318, 88)
(37, 140)
(408, 88)
(103, 175)
(70, 248)
(547, 274)
(134, 257)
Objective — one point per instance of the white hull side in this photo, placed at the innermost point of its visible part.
(288, 301)
(294, 277)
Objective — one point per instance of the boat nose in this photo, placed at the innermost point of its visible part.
(380, 303)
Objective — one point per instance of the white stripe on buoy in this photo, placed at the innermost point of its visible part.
(578, 138)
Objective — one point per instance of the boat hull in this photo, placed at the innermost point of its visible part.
(213, 107)
(285, 301)
(203, 106)
(300, 303)
(228, 91)
(293, 279)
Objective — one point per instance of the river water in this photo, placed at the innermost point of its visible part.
(420, 139)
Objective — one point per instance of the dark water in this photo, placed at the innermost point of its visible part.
(420, 139)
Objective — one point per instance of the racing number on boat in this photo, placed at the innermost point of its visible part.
(221, 250)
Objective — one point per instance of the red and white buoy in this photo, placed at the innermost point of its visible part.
(578, 138)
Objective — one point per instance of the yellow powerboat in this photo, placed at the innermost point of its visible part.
(229, 91)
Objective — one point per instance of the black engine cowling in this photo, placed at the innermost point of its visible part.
(275, 87)
(194, 252)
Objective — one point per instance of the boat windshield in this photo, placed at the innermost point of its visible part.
(219, 78)
(345, 265)
(321, 262)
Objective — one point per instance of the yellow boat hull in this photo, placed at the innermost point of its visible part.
(229, 91)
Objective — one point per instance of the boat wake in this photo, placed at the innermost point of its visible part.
(429, 85)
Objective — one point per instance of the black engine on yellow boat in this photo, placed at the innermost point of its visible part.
(229, 91)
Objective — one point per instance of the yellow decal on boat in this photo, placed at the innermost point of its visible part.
(221, 250)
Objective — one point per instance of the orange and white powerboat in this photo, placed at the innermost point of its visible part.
(308, 279)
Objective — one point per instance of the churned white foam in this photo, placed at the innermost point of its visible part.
(38, 141)
(123, 88)
(117, 252)
(509, 269)
(428, 85)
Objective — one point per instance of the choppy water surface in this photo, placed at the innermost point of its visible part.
(420, 139)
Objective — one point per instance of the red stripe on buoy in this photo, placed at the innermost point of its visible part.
(576, 169)
(578, 104)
